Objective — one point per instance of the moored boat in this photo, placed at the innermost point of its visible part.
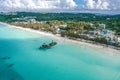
(45, 46)
(53, 43)
(48, 46)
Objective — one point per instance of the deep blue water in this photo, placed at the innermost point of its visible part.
(65, 61)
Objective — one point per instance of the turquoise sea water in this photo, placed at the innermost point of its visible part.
(65, 61)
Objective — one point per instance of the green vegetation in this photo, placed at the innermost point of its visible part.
(72, 25)
(112, 21)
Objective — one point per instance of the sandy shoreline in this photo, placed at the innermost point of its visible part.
(100, 48)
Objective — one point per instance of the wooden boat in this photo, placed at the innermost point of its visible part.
(48, 46)
(53, 43)
(45, 46)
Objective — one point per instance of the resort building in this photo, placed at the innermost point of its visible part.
(32, 21)
(102, 26)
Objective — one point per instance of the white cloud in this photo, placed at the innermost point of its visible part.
(36, 5)
(97, 4)
(102, 4)
(58, 5)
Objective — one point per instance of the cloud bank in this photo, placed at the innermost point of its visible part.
(34, 5)
(58, 5)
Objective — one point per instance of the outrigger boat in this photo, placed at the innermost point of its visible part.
(48, 46)
(45, 46)
(53, 43)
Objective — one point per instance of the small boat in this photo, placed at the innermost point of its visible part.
(45, 46)
(53, 43)
(48, 46)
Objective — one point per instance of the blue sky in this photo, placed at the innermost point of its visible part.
(79, 2)
(60, 5)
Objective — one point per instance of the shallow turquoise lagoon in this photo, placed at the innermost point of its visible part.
(65, 61)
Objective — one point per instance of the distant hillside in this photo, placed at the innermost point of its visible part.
(60, 16)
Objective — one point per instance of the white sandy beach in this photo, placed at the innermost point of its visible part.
(100, 48)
